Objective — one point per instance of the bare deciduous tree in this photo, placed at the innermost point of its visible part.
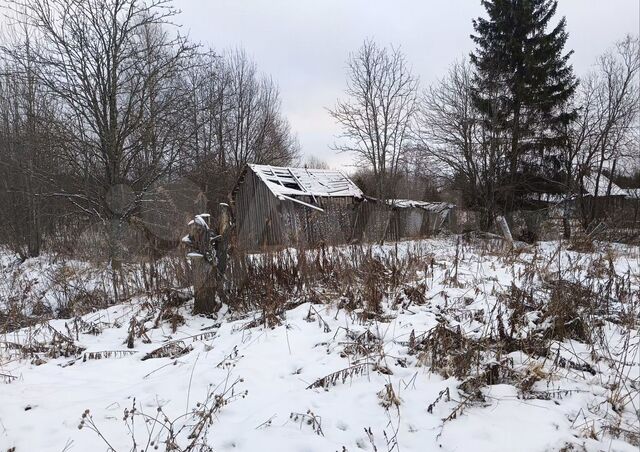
(454, 143)
(115, 71)
(376, 117)
(257, 131)
(236, 119)
(106, 61)
(312, 161)
(28, 120)
(603, 135)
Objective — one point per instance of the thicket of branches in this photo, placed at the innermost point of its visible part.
(502, 128)
(453, 140)
(376, 117)
(106, 110)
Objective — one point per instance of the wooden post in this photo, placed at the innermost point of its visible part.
(203, 273)
(209, 259)
(504, 228)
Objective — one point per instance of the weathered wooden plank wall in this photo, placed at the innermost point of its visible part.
(264, 221)
(258, 214)
(625, 212)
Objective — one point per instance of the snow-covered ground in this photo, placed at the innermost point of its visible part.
(264, 389)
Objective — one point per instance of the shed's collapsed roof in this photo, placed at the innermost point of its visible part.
(286, 181)
(589, 184)
(425, 205)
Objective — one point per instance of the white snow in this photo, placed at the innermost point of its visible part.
(200, 220)
(431, 206)
(41, 408)
(633, 193)
(589, 183)
(306, 181)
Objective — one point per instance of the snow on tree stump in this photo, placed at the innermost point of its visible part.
(208, 253)
(203, 265)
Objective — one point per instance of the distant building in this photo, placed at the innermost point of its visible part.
(605, 187)
(304, 207)
(608, 201)
(606, 192)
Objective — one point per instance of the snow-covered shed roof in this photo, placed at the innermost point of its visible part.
(634, 193)
(589, 184)
(431, 206)
(288, 181)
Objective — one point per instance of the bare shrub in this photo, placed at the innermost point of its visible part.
(568, 311)
(582, 244)
(309, 418)
(20, 303)
(186, 433)
(448, 352)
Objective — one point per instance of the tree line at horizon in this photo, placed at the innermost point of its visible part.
(106, 112)
(104, 105)
(507, 124)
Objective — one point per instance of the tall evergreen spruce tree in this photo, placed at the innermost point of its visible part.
(522, 86)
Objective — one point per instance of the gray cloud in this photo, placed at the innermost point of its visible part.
(303, 44)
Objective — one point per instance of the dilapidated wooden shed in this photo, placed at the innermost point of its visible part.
(304, 207)
(421, 218)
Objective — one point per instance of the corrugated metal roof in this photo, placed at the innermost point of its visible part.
(634, 193)
(431, 206)
(289, 181)
(589, 184)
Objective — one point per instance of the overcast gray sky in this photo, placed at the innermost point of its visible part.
(303, 44)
